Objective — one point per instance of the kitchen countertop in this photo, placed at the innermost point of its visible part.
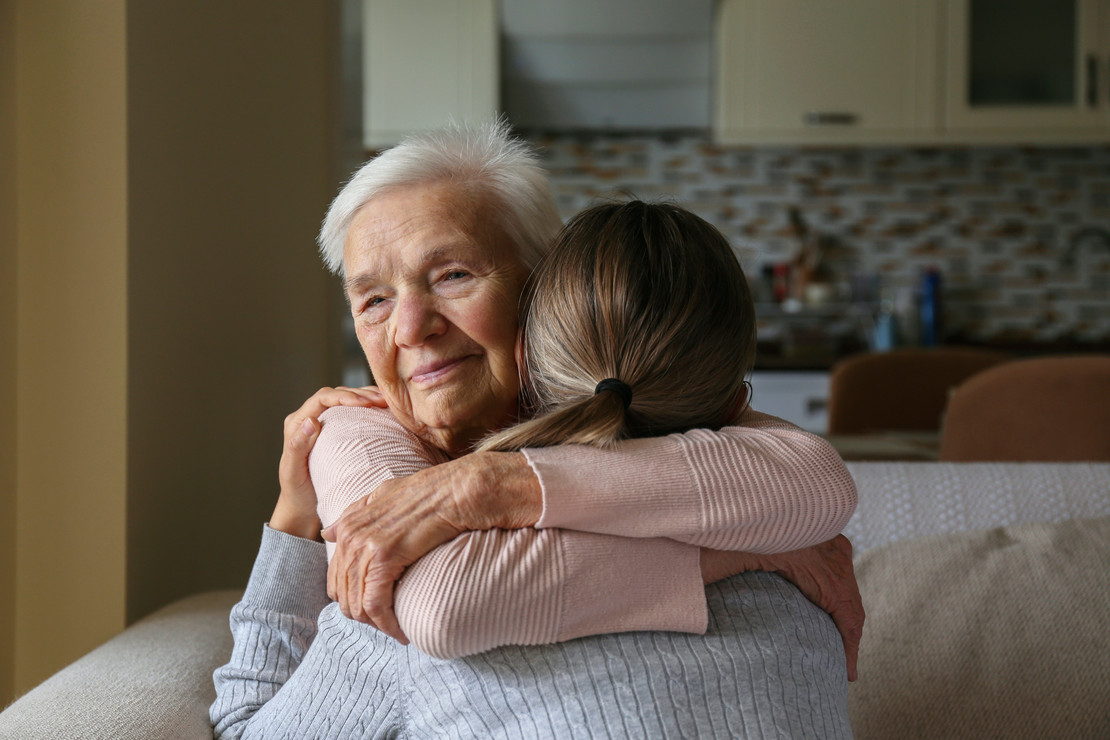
(887, 446)
(772, 357)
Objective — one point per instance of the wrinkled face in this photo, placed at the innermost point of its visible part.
(433, 284)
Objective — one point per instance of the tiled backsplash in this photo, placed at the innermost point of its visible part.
(1005, 226)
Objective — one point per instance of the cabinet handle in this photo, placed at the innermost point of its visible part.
(818, 118)
(1092, 80)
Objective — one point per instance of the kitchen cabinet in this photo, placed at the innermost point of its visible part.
(1027, 69)
(800, 397)
(425, 64)
(593, 65)
(830, 71)
(912, 72)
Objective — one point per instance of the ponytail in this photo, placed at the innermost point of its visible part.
(600, 421)
(638, 322)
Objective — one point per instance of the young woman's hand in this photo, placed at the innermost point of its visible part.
(295, 512)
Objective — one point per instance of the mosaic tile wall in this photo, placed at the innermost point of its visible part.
(1021, 236)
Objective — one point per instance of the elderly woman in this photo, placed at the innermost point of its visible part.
(433, 271)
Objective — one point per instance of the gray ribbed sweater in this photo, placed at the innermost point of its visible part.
(771, 665)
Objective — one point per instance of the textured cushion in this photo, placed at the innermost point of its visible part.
(902, 500)
(152, 681)
(1001, 632)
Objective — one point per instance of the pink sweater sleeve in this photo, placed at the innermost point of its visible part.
(762, 486)
(497, 587)
(535, 587)
(359, 449)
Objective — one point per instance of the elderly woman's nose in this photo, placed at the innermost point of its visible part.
(417, 320)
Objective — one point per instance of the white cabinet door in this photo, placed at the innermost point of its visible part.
(827, 71)
(1027, 69)
(800, 397)
(425, 64)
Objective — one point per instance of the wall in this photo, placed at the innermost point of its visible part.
(71, 348)
(996, 221)
(172, 163)
(230, 142)
(7, 347)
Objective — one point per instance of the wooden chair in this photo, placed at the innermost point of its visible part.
(901, 390)
(1044, 409)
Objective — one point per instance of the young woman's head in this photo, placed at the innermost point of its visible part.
(648, 297)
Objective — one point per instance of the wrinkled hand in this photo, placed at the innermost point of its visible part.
(295, 512)
(824, 573)
(379, 536)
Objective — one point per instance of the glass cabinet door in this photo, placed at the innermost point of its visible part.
(1027, 64)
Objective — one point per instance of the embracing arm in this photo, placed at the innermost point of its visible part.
(544, 586)
(458, 584)
(272, 628)
(531, 587)
(761, 486)
(275, 623)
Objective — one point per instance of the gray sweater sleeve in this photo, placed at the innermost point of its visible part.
(272, 627)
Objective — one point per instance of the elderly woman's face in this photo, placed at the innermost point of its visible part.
(433, 284)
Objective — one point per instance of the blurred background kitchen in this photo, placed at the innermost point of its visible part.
(891, 174)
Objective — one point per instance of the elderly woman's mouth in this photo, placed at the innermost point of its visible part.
(431, 373)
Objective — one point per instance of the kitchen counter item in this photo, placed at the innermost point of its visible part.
(888, 446)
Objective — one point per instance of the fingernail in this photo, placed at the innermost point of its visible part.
(308, 428)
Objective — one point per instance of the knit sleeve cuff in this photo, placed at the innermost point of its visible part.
(289, 575)
(645, 584)
(619, 492)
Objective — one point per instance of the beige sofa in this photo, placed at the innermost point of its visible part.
(987, 588)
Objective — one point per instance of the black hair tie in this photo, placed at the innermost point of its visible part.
(617, 386)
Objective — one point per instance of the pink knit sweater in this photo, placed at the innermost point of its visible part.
(617, 546)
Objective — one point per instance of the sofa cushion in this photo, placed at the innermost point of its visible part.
(1001, 632)
(903, 500)
(152, 681)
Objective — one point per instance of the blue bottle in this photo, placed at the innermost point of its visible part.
(929, 308)
(884, 333)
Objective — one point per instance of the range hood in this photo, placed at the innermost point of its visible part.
(606, 64)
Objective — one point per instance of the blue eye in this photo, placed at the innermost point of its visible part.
(455, 275)
(373, 302)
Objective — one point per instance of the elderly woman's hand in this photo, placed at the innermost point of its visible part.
(824, 573)
(295, 512)
(404, 519)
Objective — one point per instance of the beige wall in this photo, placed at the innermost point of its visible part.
(172, 163)
(229, 328)
(71, 347)
(7, 348)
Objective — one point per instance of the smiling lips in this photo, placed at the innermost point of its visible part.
(433, 372)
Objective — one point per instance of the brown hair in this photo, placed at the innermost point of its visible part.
(649, 294)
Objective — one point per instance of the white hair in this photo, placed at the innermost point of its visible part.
(485, 157)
